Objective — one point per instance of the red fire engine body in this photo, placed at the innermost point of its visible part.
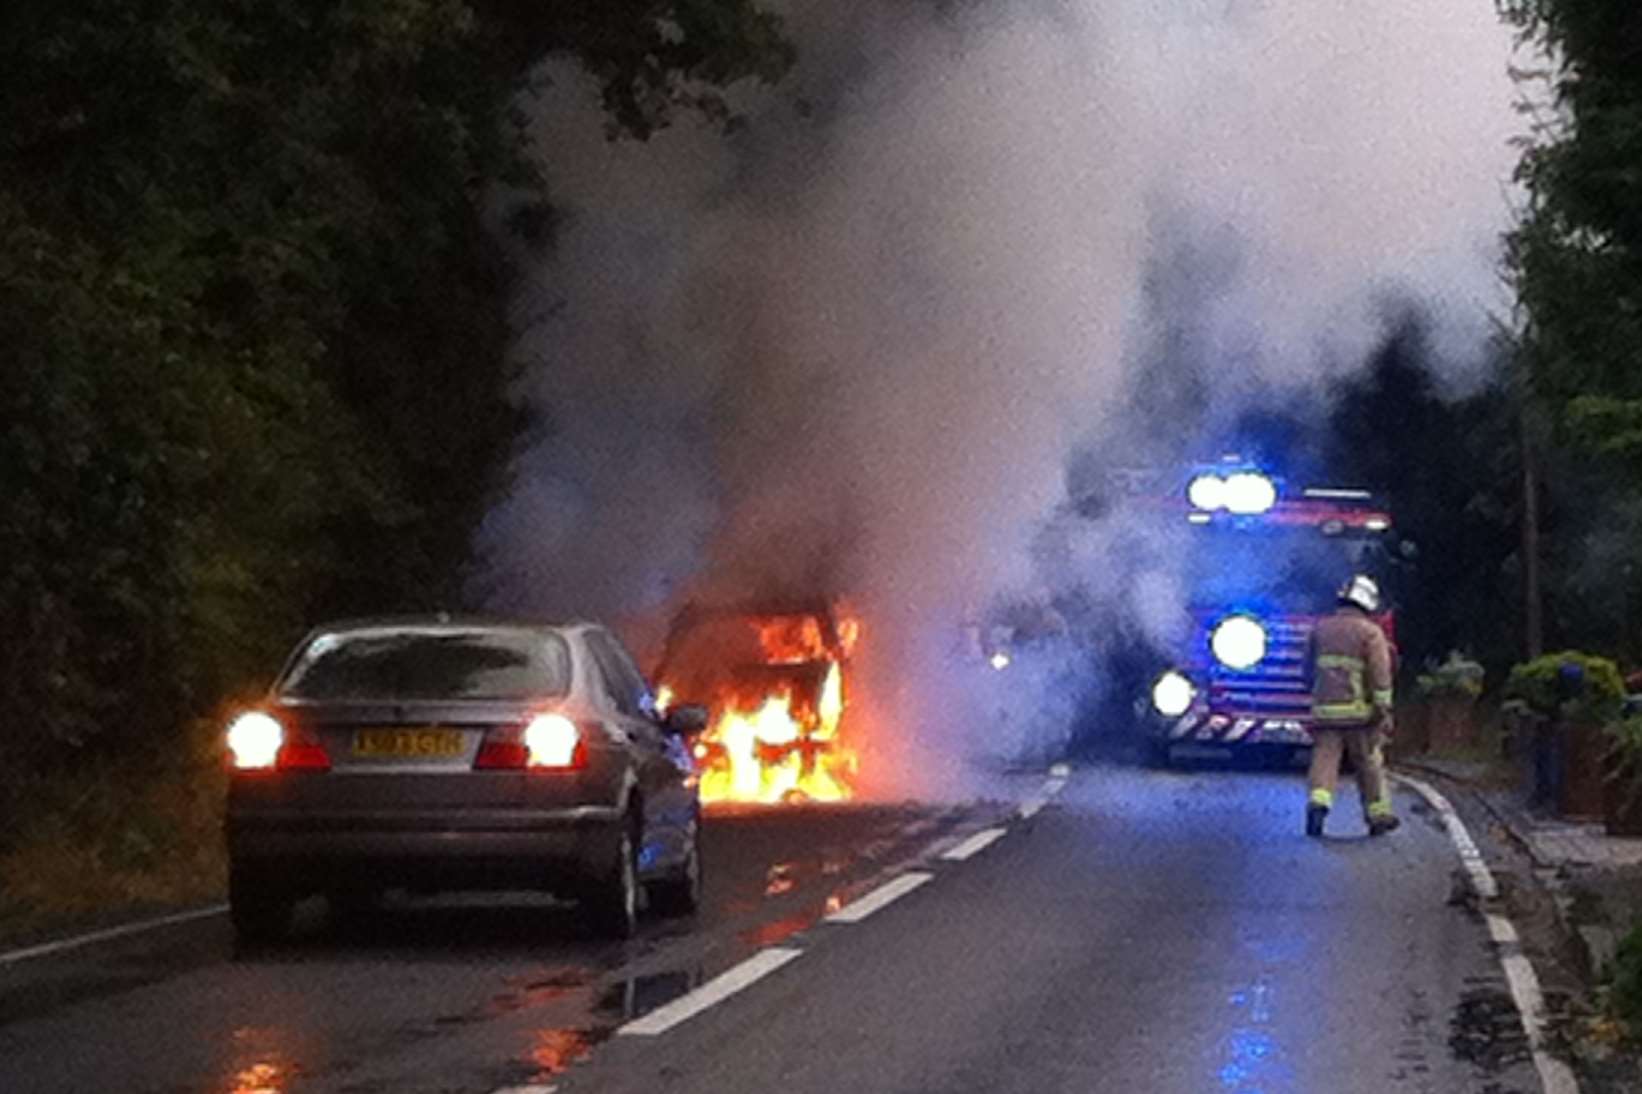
(1261, 562)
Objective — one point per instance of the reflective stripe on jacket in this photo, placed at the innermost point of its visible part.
(1348, 661)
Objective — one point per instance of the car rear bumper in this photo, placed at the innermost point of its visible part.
(558, 850)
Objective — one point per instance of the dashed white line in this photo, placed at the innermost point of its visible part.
(1052, 786)
(885, 894)
(1554, 1075)
(78, 941)
(975, 844)
(524, 1090)
(721, 987)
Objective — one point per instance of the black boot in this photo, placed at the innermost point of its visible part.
(1379, 826)
(1315, 815)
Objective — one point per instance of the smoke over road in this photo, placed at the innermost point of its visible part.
(853, 346)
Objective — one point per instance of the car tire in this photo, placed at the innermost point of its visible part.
(259, 908)
(680, 895)
(350, 908)
(1160, 753)
(611, 907)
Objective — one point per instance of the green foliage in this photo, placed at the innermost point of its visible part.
(1542, 686)
(1625, 995)
(255, 324)
(1625, 738)
(1449, 471)
(653, 58)
(1576, 257)
(1457, 676)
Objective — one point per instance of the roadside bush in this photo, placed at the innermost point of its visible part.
(1457, 677)
(1626, 994)
(112, 837)
(1576, 687)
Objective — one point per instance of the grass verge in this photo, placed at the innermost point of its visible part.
(112, 841)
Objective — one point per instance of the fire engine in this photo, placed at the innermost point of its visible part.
(1259, 560)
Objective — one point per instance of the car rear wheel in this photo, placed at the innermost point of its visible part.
(611, 907)
(680, 894)
(259, 907)
(351, 906)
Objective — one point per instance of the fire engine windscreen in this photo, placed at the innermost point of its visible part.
(1279, 568)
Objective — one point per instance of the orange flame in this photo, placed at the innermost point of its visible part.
(773, 754)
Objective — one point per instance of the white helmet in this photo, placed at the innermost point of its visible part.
(1361, 591)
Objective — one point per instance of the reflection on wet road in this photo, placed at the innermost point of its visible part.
(1170, 932)
(447, 993)
(1138, 931)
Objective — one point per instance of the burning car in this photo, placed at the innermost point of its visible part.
(773, 677)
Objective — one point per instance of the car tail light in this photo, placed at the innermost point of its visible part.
(254, 741)
(548, 742)
(258, 742)
(303, 752)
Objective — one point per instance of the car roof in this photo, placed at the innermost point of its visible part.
(448, 621)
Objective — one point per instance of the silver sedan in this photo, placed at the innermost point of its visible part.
(434, 753)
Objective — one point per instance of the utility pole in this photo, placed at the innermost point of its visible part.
(1533, 615)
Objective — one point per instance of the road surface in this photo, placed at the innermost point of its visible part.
(1139, 931)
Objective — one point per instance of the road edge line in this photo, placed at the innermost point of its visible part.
(108, 934)
(736, 978)
(1555, 1076)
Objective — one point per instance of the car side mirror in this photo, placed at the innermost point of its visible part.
(685, 720)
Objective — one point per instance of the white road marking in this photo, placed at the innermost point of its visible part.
(1052, 786)
(885, 894)
(45, 948)
(1554, 1075)
(524, 1090)
(716, 990)
(975, 844)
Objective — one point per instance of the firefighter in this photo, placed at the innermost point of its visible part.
(1349, 664)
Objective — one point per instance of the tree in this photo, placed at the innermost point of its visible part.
(1447, 469)
(254, 321)
(1578, 252)
(1577, 261)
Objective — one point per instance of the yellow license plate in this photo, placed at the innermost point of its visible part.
(416, 744)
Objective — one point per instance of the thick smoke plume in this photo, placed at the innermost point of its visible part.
(851, 347)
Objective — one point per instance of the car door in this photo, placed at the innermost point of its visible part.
(663, 763)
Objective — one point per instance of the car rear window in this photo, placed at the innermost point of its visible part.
(409, 664)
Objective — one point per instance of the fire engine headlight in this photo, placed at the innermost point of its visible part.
(1239, 642)
(1207, 492)
(1172, 694)
(1249, 493)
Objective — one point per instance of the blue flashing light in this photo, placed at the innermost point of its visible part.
(1243, 493)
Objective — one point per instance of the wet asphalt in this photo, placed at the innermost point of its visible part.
(1146, 931)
